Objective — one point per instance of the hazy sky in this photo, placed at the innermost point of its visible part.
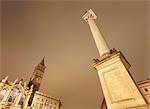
(56, 30)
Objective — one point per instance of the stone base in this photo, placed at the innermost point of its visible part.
(119, 88)
(141, 107)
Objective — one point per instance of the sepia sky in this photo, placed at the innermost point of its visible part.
(31, 30)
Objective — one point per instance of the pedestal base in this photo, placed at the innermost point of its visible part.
(141, 107)
(119, 88)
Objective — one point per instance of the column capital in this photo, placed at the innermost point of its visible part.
(89, 15)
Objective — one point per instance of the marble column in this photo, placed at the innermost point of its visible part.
(27, 98)
(101, 44)
(18, 99)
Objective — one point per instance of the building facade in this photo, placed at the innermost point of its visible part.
(42, 101)
(20, 95)
(144, 87)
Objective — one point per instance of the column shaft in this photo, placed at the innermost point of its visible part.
(99, 40)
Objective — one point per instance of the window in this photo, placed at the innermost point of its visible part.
(13, 95)
(22, 100)
(41, 105)
(2, 93)
(146, 89)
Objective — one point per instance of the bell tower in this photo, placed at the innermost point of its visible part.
(37, 76)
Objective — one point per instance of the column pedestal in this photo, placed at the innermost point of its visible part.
(141, 107)
(117, 84)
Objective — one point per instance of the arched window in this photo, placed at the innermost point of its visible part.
(13, 95)
(41, 105)
(22, 100)
(2, 93)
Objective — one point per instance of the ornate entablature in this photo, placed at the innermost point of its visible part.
(20, 95)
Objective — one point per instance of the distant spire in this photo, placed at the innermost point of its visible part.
(42, 62)
(5, 79)
(16, 80)
(21, 80)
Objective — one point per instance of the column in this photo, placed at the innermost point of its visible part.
(18, 99)
(102, 46)
(27, 99)
(118, 87)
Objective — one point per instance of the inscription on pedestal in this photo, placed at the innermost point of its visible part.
(114, 80)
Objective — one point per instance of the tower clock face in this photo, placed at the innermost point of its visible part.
(38, 79)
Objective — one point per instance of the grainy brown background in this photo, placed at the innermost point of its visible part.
(33, 29)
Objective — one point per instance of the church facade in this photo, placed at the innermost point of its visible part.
(20, 95)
